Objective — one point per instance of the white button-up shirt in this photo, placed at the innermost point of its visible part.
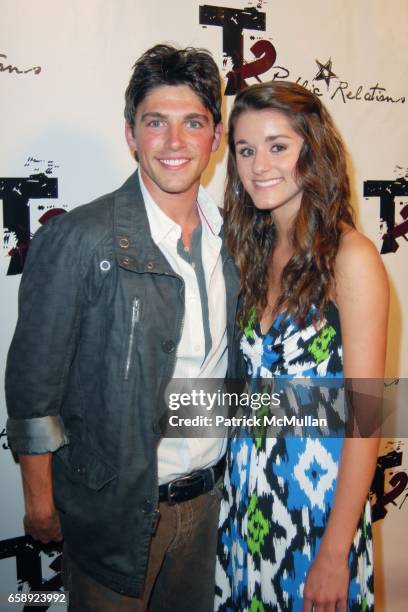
(180, 456)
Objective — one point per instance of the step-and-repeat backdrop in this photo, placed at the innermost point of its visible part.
(64, 66)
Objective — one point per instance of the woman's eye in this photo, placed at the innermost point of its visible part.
(277, 148)
(246, 152)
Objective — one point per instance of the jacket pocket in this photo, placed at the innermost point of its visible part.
(84, 466)
(134, 320)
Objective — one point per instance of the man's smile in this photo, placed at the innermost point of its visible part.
(174, 162)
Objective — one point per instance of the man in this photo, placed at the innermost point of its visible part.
(118, 295)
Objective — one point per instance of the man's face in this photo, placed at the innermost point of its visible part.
(173, 135)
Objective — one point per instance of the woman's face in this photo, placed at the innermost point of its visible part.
(267, 149)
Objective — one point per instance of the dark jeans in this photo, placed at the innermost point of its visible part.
(181, 566)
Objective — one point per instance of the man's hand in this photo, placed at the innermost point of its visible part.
(41, 520)
(327, 583)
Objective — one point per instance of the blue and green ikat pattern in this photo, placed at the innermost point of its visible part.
(279, 491)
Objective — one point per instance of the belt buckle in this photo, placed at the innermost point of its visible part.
(193, 476)
(170, 500)
(172, 484)
(212, 476)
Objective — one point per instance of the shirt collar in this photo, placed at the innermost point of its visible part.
(161, 225)
(209, 212)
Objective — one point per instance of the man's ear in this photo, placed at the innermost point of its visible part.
(130, 139)
(218, 132)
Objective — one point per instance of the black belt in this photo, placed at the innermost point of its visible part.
(192, 485)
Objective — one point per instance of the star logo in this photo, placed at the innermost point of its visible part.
(325, 72)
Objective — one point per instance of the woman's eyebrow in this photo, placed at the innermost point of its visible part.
(267, 139)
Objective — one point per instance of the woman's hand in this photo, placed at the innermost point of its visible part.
(327, 584)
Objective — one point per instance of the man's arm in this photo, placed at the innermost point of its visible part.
(41, 520)
(37, 368)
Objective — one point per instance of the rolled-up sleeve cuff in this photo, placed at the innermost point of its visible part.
(36, 436)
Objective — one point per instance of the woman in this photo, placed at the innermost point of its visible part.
(295, 529)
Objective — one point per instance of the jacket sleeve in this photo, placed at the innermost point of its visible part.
(44, 342)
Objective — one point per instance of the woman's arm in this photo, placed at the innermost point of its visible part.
(362, 296)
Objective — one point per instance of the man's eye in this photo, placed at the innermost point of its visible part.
(155, 123)
(246, 152)
(193, 123)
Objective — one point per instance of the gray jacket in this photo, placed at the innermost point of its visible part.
(100, 317)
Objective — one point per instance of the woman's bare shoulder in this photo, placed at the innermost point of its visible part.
(357, 254)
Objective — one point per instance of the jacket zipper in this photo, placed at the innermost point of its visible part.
(133, 321)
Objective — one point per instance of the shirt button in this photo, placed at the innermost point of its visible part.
(150, 265)
(168, 346)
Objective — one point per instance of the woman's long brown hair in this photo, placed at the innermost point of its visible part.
(321, 174)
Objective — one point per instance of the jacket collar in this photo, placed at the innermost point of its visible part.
(135, 248)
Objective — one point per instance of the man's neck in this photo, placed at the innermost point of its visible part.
(179, 207)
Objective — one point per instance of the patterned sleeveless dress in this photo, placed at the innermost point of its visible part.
(278, 491)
